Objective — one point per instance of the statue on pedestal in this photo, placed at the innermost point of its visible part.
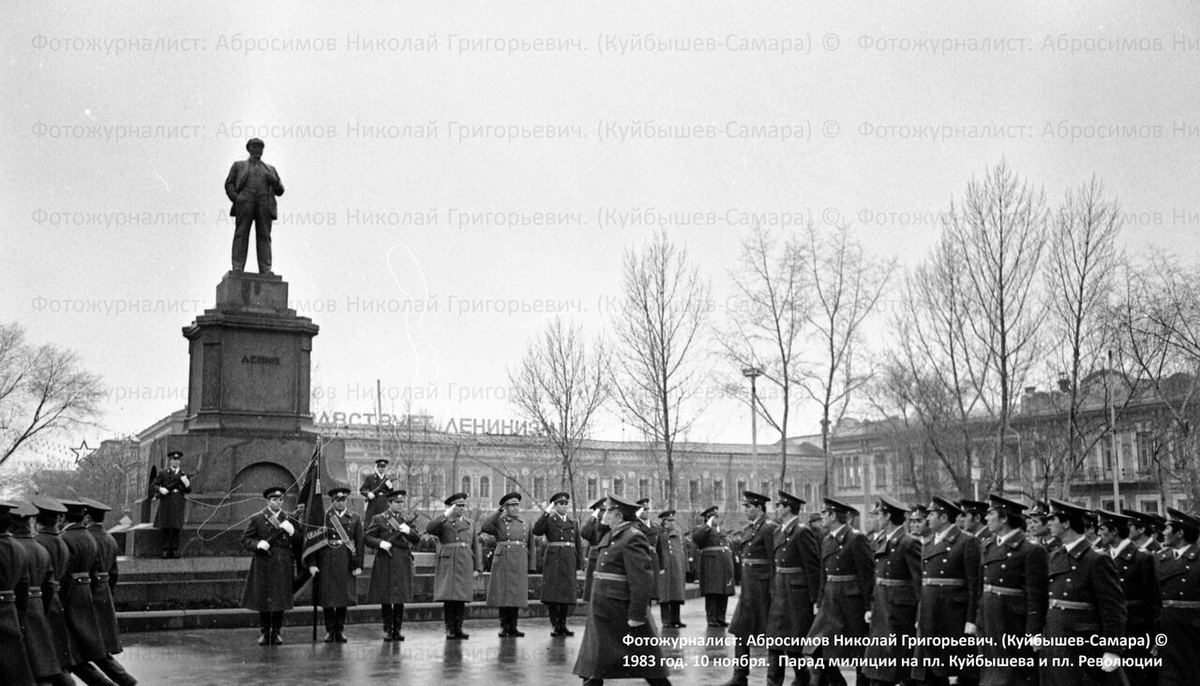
(252, 186)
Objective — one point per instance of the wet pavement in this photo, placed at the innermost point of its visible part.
(425, 657)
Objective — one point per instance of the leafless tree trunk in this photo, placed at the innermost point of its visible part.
(844, 287)
(664, 309)
(560, 384)
(998, 232)
(42, 390)
(766, 326)
(1081, 262)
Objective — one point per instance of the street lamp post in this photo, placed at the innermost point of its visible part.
(753, 373)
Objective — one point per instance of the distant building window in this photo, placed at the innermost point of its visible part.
(643, 488)
(618, 487)
(787, 486)
(718, 490)
(592, 488)
(881, 471)
(439, 486)
(485, 487)
(466, 485)
(693, 491)
(741, 486)
(539, 487)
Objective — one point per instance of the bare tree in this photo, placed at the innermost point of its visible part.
(767, 324)
(844, 287)
(1081, 263)
(559, 385)
(664, 309)
(999, 232)
(42, 390)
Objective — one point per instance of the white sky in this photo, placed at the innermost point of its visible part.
(72, 266)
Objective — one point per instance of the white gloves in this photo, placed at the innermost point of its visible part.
(970, 629)
(313, 569)
(163, 490)
(384, 545)
(404, 528)
(264, 546)
(1036, 642)
(370, 495)
(449, 510)
(712, 522)
(1109, 662)
(596, 513)
(867, 616)
(186, 482)
(633, 623)
(287, 526)
(549, 508)
(357, 571)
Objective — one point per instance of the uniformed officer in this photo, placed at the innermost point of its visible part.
(39, 637)
(104, 585)
(374, 490)
(1085, 600)
(14, 576)
(893, 612)
(618, 640)
(508, 585)
(1013, 602)
(972, 520)
(458, 563)
(337, 564)
(80, 609)
(392, 572)
(1139, 583)
(1142, 531)
(793, 589)
(757, 543)
(651, 529)
(563, 546)
(918, 522)
(273, 537)
(847, 585)
(593, 532)
(170, 488)
(715, 568)
(671, 558)
(50, 513)
(1178, 566)
(950, 588)
(1037, 519)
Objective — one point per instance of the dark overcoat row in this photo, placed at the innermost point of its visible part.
(797, 578)
(757, 544)
(950, 588)
(1179, 585)
(847, 586)
(894, 607)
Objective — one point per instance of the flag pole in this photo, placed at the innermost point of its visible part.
(316, 586)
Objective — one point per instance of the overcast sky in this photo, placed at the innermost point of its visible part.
(121, 120)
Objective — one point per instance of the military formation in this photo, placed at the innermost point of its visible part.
(58, 568)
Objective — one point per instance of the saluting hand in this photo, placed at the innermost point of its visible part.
(635, 623)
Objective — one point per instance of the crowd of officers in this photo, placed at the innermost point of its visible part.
(58, 567)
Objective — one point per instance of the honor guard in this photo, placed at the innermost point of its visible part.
(563, 547)
(757, 543)
(593, 532)
(1143, 531)
(458, 563)
(1178, 567)
(893, 611)
(273, 538)
(1013, 602)
(50, 513)
(104, 585)
(1085, 600)
(793, 588)
(671, 558)
(374, 490)
(1139, 584)
(39, 636)
(14, 575)
(847, 584)
(170, 488)
(716, 566)
(619, 639)
(392, 572)
(950, 587)
(337, 564)
(508, 585)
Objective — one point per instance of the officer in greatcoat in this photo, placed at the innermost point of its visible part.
(563, 547)
(715, 569)
(1037, 521)
(893, 613)
(671, 556)
(950, 588)
(336, 565)
(273, 537)
(1085, 601)
(39, 637)
(104, 585)
(1178, 567)
(972, 521)
(618, 641)
(393, 539)
(76, 589)
(170, 488)
(918, 522)
(1013, 602)
(797, 576)
(1139, 583)
(652, 531)
(50, 513)
(374, 490)
(14, 575)
(1143, 531)
(757, 543)
(458, 563)
(847, 586)
(593, 531)
(508, 585)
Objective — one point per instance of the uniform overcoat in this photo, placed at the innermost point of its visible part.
(950, 588)
(562, 560)
(458, 558)
(269, 583)
(1179, 584)
(593, 532)
(104, 582)
(757, 543)
(672, 566)
(1085, 600)
(894, 608)
(170, 506)
(1013, 602)
(847, 586)
(392, 571)
(336, 584)
(76, 592)
(51, 540)
(39, 637)
(14, 574)
(716, 561)
(794, 586)
(508, 584)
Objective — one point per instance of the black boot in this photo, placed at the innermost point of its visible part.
(564, 611)
(89, 675)
(397, 620)
(386, 611)
(448, 618)
(676, 608)
(514, 613)
(264, 625)
(113, 670)
(460, 614)
(330, 625)
(277, 628)
(340, 617)
(504, 631)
